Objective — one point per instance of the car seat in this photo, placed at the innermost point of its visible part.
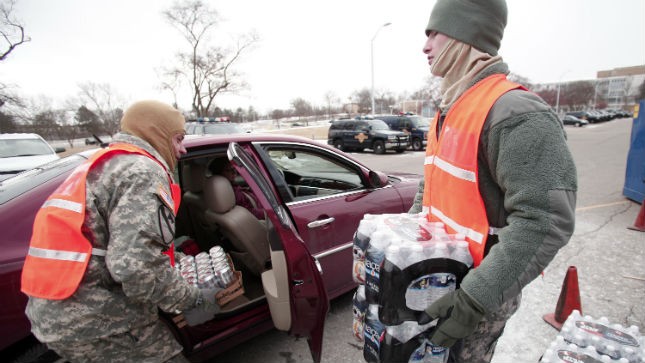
(194, 177)
(246, 234)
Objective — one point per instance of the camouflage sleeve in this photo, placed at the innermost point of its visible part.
(417, 203)
(141, 225)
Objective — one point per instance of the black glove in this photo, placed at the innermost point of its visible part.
(205, 308)
(459, 315)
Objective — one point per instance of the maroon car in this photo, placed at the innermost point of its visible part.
(292, 261)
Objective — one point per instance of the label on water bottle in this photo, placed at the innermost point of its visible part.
(374, 332)
(436, 354)
(419, 354)
(425, 290)
(575, 357)
(607, 333)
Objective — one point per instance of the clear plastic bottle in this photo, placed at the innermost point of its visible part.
(441, 250)
(374, 331)
(393, 254)
(461, 253)
(359, 307)
(374, 257)
(361, 241)
(436, 354)
(416, 254)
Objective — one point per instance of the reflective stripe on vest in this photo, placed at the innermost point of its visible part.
(451, 193)
(58, 252)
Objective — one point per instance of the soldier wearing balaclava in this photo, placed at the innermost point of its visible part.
(497, 171)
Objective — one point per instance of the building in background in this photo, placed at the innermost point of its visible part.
(619, 87)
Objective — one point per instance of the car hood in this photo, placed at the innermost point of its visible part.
(401, 175)
(20, 163)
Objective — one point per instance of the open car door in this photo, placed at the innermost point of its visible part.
(293, 284)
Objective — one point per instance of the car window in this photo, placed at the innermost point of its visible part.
(311, 175)
(23, 147)
(379, 125)
(420, 121)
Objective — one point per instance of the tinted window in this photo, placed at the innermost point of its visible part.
(419, 121)
(379, 125)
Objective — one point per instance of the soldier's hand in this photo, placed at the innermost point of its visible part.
(458, 316)
(205, 308)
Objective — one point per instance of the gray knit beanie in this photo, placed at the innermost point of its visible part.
(479, 23)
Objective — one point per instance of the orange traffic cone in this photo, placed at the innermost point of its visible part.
(639, 225)
(569, 300)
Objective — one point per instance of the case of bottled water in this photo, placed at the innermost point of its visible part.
(598, 339)
(405, 263)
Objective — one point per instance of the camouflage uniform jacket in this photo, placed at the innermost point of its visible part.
(124, 289)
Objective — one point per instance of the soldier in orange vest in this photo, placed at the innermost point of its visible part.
(99, 264)
(497, 170)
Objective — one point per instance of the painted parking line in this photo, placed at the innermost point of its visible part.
(597, 206)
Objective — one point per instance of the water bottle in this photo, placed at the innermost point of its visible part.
(405, 342)
(361, 241)
(461, 252)
(374, 257)
(436, 354)
(359, 306)
(374, 332)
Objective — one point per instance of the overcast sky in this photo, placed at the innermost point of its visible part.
(306, 48)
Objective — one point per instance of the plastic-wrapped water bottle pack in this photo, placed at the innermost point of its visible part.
(403, 264)
(585, 339)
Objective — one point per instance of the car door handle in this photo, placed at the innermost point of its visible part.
(320, 222)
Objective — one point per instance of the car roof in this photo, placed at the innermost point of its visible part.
(210, 139)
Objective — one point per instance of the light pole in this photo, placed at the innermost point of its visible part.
(557, 97)
(372, 58)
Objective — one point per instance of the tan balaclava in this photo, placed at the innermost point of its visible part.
(156, 123)
(476, 28)
(458, 64)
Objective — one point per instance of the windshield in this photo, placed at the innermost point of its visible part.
(23, 147)
(224, 128)
(379, 125)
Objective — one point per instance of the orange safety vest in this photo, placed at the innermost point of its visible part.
(451, 192)
(58, 251)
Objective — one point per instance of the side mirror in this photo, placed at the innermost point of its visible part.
(378, 179)
(59, 150)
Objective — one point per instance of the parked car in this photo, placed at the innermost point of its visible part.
(572, 120)
(313, 197)
(19, 152)
(413, 125)
(366, 134)
(585, 115)
(212, 127)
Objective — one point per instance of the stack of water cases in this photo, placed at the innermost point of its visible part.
(589, 340)
(403, 264)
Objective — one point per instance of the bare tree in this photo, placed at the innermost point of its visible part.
(331, 99)
(13, 35)
(431, 91)
(12, 31)
(208, 69)
(105, 102)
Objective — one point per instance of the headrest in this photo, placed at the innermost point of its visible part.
(219, 194)
(194, 176)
